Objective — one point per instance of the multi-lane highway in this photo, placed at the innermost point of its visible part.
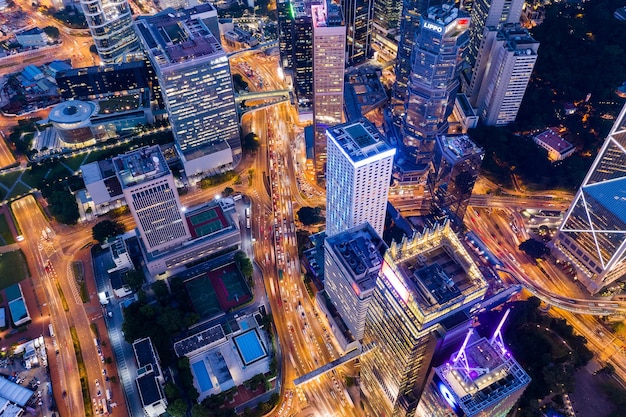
(51, 255)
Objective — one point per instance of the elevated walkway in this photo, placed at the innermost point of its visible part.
(353, 354)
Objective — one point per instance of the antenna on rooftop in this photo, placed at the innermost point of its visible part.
(497, 335)
(461, 356)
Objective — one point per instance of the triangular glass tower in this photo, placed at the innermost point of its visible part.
(593, 233)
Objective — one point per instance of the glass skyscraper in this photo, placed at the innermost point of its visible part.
(437, 60)
(357, 19)
(419, 306)
(111, 25)
(196, 83)
(593, 232)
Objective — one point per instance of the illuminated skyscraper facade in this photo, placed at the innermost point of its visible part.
(284, 12)
(357, 15)
(502, 73)
(150, 192)
(487, 13)
(482, 379)
(593, 232)
(456, 165)
(303, 54)
(329, 51)
(111, 25)
(419, 305)
(358, 176)
(409, 27)
(196, 83)
(438, 56)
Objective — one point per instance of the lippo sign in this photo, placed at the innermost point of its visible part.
(433, 27)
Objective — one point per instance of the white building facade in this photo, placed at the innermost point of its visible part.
(358, 175)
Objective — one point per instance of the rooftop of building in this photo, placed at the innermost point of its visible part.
(141, 165)
(360, 140)
(360, 250)
(145, 355)
(14, 392)
(32, 31)
(201, 340)
(437, 269)
(467, 108)
(518, 38)
(73, 111)
(326, 14)
(490, 374)
(459, 146)
(551, 138)
(97, 69)
(175, 36)
(148, 389)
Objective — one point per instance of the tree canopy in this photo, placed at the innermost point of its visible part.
(310, 215)
(244, 264)
(52, 32)
(105, 229)
(251, 142)
(133, 279)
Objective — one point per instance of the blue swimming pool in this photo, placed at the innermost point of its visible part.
(250, 347)
(202, 376)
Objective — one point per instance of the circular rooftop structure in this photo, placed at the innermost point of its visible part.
(73, 112)
(72, 120)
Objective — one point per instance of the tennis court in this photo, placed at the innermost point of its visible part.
(202, 295)
(203, 217)
(230, 286)
(208, 228)
(205, 221)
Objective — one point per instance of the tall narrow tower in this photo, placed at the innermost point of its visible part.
(358, 24)
(111, 25)
(329, 51)
(502, 73)
(487, 13)
(419, 306)
(437, 60)
(358, 176)
(409, 26)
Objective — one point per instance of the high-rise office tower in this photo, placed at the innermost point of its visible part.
(111, 25)
(487, 13)
(409, 26)
(456, 165)
(303, 54)
(196, 83)
(150, 192)
(352, 260)
(358, 23)
(502, 73)
(358, 176)
(434, 82)
(385, 22)
(329, 52)
(420, 305)
(593, 232)
(482, 379)
(285, 15)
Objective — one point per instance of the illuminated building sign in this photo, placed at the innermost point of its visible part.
(395, 282)
(432, 26)
(447, 395)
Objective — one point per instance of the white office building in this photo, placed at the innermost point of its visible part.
(352, 262)
(149, 188)
(502, 73)
(195, 79)
(357, 177)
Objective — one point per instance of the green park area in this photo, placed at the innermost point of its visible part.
(6, 236)
(13, 268)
